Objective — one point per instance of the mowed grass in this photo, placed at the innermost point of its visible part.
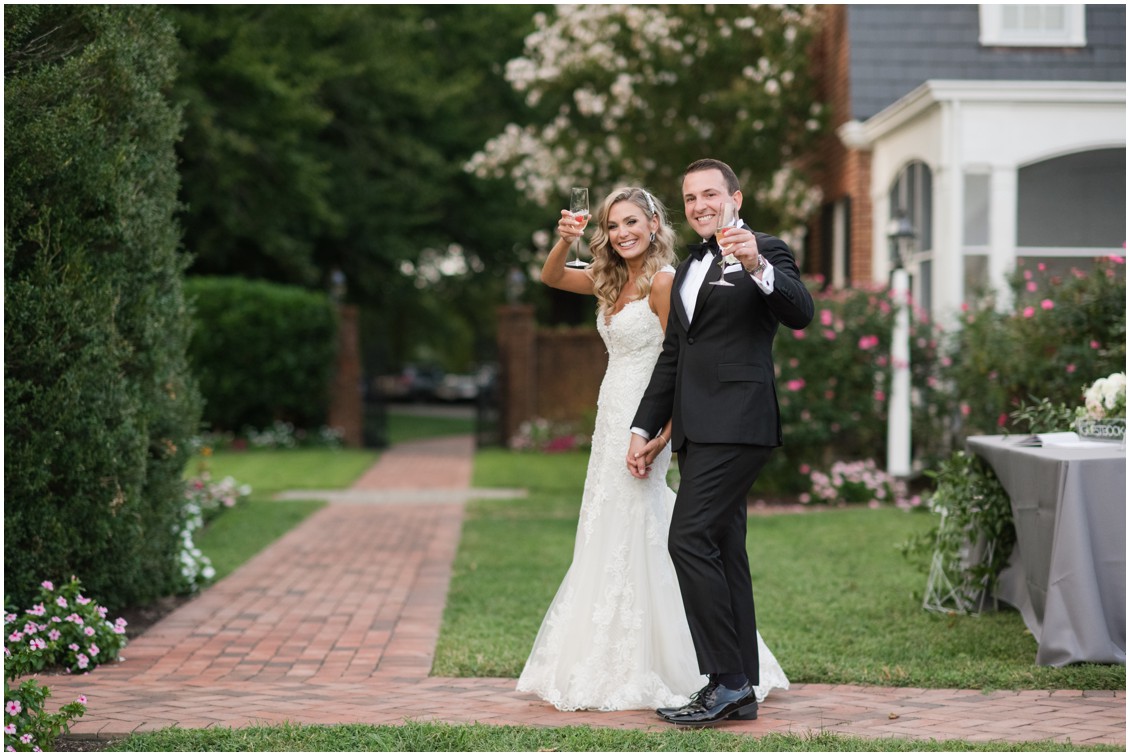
(443, 738)
(836, 600)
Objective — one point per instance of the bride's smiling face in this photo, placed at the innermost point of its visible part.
(629, 229)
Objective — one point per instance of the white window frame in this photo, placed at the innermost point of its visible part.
(994, 33)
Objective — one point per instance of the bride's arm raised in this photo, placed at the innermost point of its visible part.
(554, 271)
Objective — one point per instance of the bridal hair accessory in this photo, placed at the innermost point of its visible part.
(650, 203)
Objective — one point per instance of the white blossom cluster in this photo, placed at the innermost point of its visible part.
(617, 91)
(1105, 398)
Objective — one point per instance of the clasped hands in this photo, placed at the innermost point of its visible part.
(642, 452)
(742, 244)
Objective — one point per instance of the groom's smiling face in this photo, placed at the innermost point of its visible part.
(703, 192)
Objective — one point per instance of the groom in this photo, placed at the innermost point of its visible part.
(714, 379)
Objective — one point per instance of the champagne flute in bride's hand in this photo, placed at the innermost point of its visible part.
(579, 207)
(727, 218)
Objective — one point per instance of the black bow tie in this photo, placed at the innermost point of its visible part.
(698, 250)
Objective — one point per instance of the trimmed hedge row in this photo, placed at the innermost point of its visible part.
(99, 400)
(262, 352)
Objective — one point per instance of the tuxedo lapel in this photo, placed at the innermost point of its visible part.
(704, 291)
(676, 300)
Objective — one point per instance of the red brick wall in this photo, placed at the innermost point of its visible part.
(841, 172)
(345, 401)
(546, 373)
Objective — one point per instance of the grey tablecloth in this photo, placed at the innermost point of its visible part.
(1067, 575)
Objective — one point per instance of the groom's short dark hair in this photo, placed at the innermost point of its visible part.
(710, 164)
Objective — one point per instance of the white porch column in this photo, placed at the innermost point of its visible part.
(1002, 231)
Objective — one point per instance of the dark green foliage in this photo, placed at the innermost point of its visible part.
(99, 401)
(262, 352)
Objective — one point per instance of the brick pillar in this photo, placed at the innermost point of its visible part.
(517, 361)
(346, 411)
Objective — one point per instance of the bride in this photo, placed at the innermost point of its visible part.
(615, 636)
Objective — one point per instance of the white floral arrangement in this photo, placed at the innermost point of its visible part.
(1105, 399)
(1103, 414)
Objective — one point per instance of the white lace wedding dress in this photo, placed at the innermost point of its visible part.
(615, 636)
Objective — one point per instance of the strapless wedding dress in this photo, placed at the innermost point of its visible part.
(615, 636)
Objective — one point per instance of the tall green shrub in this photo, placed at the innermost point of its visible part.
(98, 398)
(1062, 333)
(263, 352)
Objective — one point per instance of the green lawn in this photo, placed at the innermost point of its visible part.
(836, 600)
(443, 738)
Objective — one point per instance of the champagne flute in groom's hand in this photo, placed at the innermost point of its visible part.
(727, 218)
(579, 207)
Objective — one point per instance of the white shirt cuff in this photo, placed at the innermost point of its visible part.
(641, 432)
(765, 283)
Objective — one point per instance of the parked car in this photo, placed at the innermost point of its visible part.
(458, 387)
(415, 383)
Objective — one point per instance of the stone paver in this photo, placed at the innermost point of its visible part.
(337, 622)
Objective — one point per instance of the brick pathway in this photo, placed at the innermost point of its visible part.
(337, 623)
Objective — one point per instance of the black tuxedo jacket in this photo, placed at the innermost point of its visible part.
(715, 376)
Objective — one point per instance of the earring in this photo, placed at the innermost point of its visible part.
(653, 236)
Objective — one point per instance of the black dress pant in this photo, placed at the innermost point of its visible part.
(707, 545)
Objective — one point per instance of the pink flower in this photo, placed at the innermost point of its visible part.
(1095, 344)
(88, 631)
(1047, 304)
(94, 650)
(826, 317)
(1032, 286)
(965, 409)
(37, 644)
(1070, 368)
(13, 707)
(868, 342)
(1028, 275)
(54, 635)
(804, 498)
(1029, 311)
(26, 738)
(829, 334)
(1002, 420)
(795, 385)
(61, 602)
(880, 396)
(83, 661)
(10, 728)
(37, 611)
(1041, 266)
(965, 307)
(81, 700)
(48, 585)
(804, 469)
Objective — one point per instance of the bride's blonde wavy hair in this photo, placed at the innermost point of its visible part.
(608, 270)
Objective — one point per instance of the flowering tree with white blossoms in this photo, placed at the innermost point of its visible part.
(630, 93)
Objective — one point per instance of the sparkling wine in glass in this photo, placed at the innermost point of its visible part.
(727, 218)
(579, 207)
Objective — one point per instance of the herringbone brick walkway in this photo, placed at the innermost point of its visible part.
(337, 622)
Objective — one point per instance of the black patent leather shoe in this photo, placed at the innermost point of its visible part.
(716, 704)
(697, 696)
